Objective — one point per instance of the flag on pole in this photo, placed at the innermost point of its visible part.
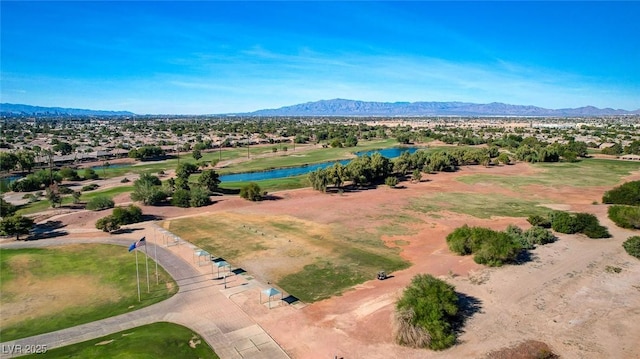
(138, 243)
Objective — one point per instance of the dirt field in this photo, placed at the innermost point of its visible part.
(564, 296)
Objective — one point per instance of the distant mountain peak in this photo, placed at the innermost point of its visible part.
(344, 107)
(10, 109)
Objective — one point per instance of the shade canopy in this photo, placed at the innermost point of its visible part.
(271, 292)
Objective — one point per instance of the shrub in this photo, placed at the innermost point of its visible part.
(585, 223)
(490, 247)
(251, 192)
(625, 216)
(6, 208)
(181, 198)
(199, 197)
(632, 246)
(89, 173)
(497, 249)
(90, 187)
(69, 174)
(540, 221)
(426, 313)
(460, 240)
(107, 224)
(125, 180)
(564, 222)
(127, 215)
(99, 203)
(628, 193)
(391, 181)
(64, 190)
(538, 236)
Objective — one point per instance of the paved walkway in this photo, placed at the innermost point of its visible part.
(201, 304)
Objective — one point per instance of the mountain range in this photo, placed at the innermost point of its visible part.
(342, 107)
(10, 109)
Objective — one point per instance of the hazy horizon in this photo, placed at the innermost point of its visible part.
(227, 57)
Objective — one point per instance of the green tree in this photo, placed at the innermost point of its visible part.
(53, 196)
(251, 192)
(430, 305)
(76, 197)
(26, 160)
(107, 224)
(127, 215)
(416, 176)
(8, 161)
(181, 198)
(69, 174)
(197, 154)
(63, 147)
(209, 179)
(89, 174)
(199, 197)
(6, 208)
(147, 190)
(16, 225)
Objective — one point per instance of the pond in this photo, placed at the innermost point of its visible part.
(300, 170)
(100, 168)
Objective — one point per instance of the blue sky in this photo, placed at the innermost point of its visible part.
(166, 57)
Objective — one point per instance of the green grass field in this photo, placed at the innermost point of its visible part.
(153, 341)
(320, 260)
(587, 172)
(44, 290)
(477, 205)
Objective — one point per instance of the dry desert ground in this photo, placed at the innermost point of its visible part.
(564, 296)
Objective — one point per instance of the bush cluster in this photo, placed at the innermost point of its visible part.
(426, 314)
(99, 203)
(90, 187)
(632, 246)
(628, 193)
(625, 216)
(532, 237)
(585, 223)
(251, 192)
(120, 216)
(195, 197)
(489, 247)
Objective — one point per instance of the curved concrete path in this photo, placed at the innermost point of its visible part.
(201, 304)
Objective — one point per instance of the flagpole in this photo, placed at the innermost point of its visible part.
(155, 250)
(146, 262)
(138, 276)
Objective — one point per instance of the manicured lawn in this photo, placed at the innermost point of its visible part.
(307, 157)
(153, 341)
(587, 172)
(477, 205)
(47, 289)
(43, 204)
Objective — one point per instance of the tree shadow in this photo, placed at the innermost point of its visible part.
(524, 256)
(467, 307)
(48, 229)
(126, 230)
(228, 190)
(270, 197)
(151, 217)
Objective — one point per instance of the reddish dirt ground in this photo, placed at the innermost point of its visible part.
(564, 296)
